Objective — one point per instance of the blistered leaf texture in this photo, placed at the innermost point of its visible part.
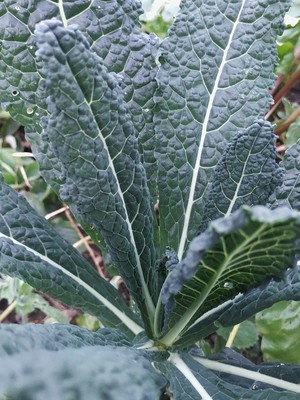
(91, 133)
(247, 173)
(234, 254)
(288, 193)
(96, 372)
(112, 29)
(216, 67)
(28, 337)
(32, 250)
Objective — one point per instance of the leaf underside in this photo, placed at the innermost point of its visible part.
(231, 256)
(245, 306)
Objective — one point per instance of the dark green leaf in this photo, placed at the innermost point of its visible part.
(20, 338)
(233, 255)
(247, 173)
(32, 250)
(288, 194)
(215, 69)
(90, 132)
(112, 29)
(97, 372)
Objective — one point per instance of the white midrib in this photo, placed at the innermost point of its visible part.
(132, 325)
(190, 203)
(148, 299)
(246, 373)
(238, 186)
(62, 13)
(189, 375)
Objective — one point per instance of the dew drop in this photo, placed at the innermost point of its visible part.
(254, 387)
(29, 110)
(147, 110)
(15, 93)
(17, 8)
(228, 285)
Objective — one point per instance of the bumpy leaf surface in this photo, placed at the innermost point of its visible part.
(32, 250)
(102, 178)
(96, 372)
(288, 194)
(28, 337)
(233, 255)
(247, 173)
(244, 306)
(215, 69)
(113, 30)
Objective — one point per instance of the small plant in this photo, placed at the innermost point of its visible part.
(164, 158)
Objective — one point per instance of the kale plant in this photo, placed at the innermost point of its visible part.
(163, 155)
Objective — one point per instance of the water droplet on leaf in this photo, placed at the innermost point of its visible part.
(15, 93)
(29, 110)
(228, 285)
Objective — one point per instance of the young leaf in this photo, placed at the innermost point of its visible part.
(234, 254)
(215, 69)
(247, 173)
(55, 375)
(244, 306)
(21, 338)
(32, 250)
(90, 132)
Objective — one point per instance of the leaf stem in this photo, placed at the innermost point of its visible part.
(286, 124)
(248, 374)
(62, 13)
(8, 310)
(157, 316)
(282, 92)
(232, 335)
(189, 375)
